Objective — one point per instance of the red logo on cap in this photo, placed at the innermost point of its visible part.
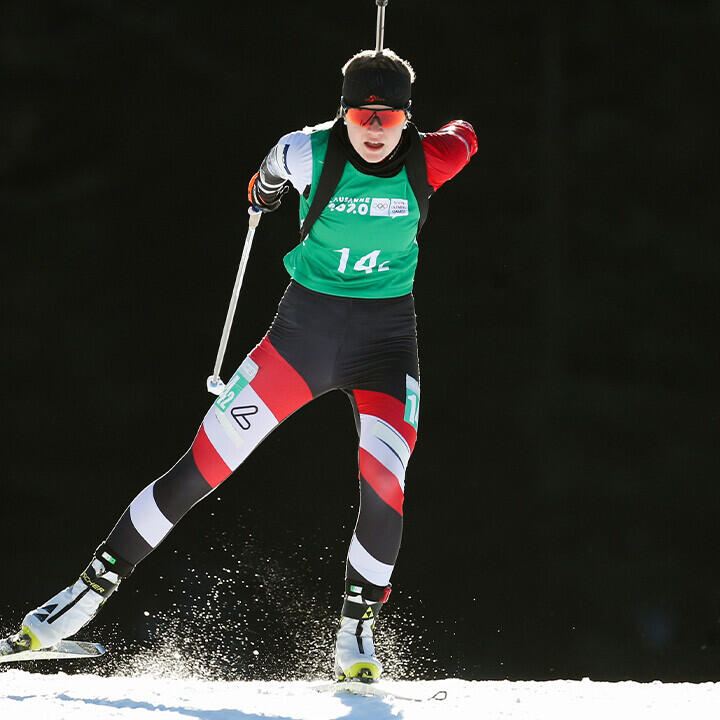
(373, 99)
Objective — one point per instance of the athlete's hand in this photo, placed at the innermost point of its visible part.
(262, 201)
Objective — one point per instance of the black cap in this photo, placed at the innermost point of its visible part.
(376, 83)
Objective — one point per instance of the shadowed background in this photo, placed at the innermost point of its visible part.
(562, 503)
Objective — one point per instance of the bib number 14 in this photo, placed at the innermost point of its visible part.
(367, 263)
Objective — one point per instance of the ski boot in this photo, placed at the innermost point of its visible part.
(15, 643)
(354, 648)
(68, 611)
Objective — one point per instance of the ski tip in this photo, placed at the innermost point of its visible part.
(78, 648)
(374, 689)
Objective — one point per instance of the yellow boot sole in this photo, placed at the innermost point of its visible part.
(363, 671)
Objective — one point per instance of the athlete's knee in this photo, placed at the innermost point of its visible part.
(400, 417)
(383, 457)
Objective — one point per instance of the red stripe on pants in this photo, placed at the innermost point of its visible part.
(277, 383)
(389, 409)
(381, 480)
(211, 466)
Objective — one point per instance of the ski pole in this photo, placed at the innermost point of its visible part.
(380, 33)
(214, 384)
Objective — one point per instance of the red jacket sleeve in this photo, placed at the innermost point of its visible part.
(448, 151)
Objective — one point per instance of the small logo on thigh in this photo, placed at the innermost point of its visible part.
(241, 414)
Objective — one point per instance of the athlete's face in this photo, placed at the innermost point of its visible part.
(373, 142)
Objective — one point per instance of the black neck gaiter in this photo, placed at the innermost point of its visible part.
(389, 167)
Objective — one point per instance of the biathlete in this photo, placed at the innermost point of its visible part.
(346, 322)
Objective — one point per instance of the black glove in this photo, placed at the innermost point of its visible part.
(265, 201)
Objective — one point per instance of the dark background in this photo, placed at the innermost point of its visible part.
(562, 502)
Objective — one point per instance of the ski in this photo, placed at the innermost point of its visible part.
(64, 650)
(373, 689)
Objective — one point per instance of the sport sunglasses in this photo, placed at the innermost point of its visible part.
(365, 116)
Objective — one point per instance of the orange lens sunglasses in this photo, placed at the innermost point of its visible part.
(365, 116)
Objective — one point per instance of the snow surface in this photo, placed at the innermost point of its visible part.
(25, 695)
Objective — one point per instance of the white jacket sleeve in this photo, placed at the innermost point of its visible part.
(290, 160)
